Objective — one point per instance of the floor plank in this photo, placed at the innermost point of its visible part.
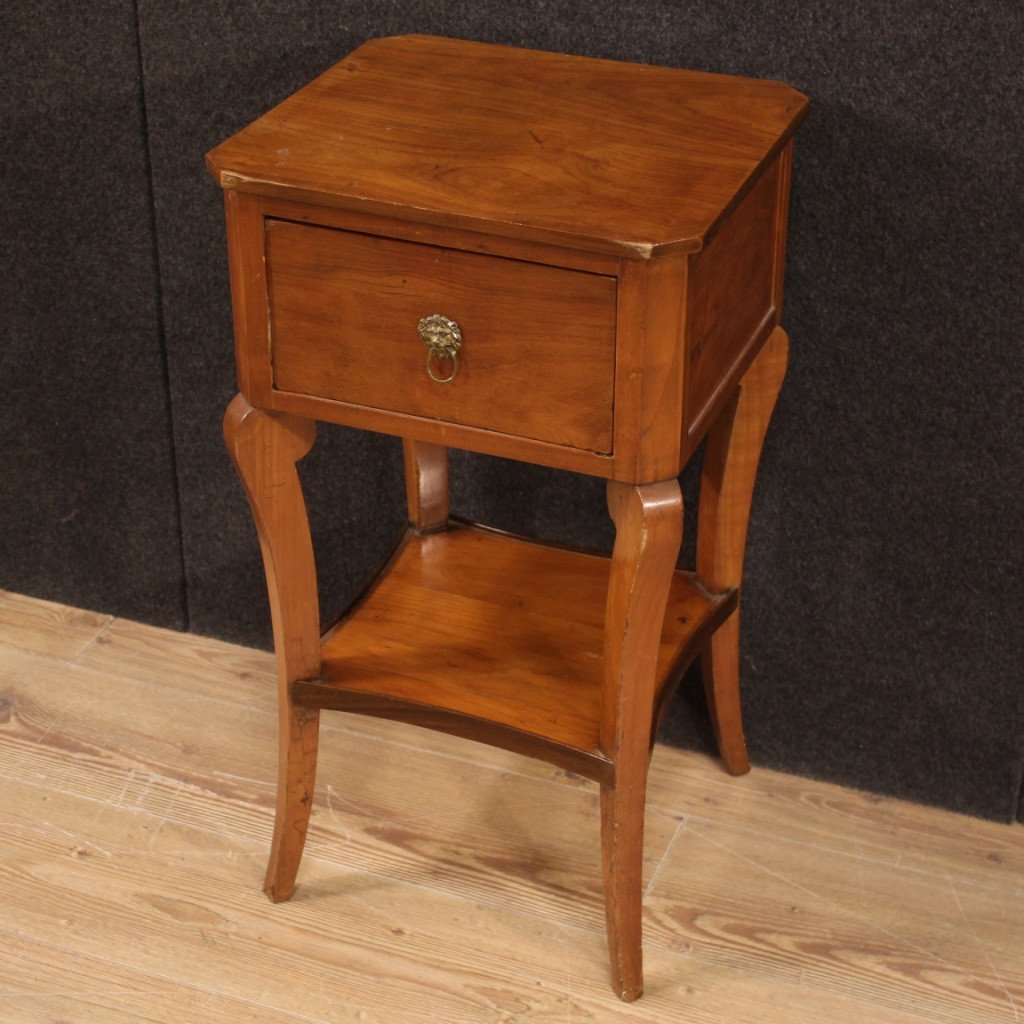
(450, 824)
(833, 818)
(54, 984)
(42, 627)
(443, 880)
(889, 937)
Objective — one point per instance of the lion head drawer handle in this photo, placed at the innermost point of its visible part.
(443, 340)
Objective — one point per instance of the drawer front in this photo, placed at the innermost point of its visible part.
(538, 342)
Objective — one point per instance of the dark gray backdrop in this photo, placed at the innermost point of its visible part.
(883, 615)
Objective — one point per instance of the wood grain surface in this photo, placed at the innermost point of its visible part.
(265, 448)
(538, 342)
(500, 639)
(728, 475)
(540, 146)
(444, 881)
(731, 298)
(648, 532)
(426, 484)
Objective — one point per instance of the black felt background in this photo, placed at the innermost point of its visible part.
(883, 598)
(87, 496)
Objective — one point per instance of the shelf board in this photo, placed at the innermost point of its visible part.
(495, 638)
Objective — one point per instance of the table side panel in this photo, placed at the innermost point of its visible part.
(733, 301)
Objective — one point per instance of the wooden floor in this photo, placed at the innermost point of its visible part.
(443, 882)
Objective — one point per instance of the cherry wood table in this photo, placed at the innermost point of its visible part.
(560, 260)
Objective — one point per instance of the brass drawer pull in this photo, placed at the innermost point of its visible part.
(443, 340)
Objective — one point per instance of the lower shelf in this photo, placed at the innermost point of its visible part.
(498, 639)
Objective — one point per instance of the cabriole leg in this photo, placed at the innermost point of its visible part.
(649, 523)
(265, 447)
(731, 457)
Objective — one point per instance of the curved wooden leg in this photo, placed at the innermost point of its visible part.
(264, 447)
(720, 672)
(649, 524)
(426, 484)
(299, 735)
(727, 485)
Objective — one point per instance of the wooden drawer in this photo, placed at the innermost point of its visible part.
(538, 351)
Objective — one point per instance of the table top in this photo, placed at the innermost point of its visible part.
(623, 158)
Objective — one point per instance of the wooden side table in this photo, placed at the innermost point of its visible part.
(554, 259)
